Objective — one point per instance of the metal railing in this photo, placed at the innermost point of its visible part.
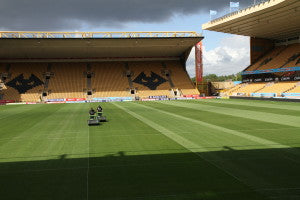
(32, 34)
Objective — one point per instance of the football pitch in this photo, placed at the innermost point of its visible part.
(214, 149)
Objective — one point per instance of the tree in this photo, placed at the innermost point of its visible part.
(216, 78)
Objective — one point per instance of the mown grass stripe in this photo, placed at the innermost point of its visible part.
(250, 107)
(177, 138)
(252, 103)
(189, 145)
(10, 111)
(285, 135)
(149, 160)
(223, 129)
(255, 115)
(29, 129)
(31, 143)
(251, 177)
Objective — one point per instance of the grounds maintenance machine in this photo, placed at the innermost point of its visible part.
(96, 117)
(100, 116)
(93, 120)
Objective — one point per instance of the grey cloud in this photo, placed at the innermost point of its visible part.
(231, 57)
(76, 14)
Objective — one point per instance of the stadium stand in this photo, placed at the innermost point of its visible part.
(1, 71)
(2, 86)
(24, 82)
(294, 89)
(147, 76)
(289, 57)
(148, 79)
(281, 56)
(247, 88)
(111, 65)
(232, 90)
(273, 28)
(276, 59)
(181, 79)
(265, 60)
(109, 80)
(2, 79)
(2, 68)
(277, 88)
(284, 56)
(68, 81)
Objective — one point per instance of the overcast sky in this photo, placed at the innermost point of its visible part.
(133, 15)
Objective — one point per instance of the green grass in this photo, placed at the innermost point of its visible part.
(169, 150)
